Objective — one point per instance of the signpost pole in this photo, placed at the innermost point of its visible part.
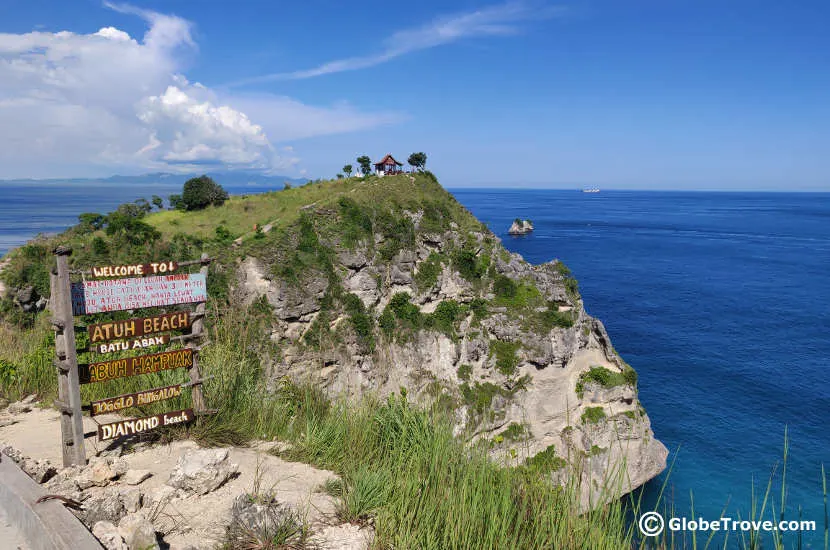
(69, 393)
(196, 330)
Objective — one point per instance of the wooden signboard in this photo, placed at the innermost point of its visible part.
(115, 404)
(140, 326)
(121, 294)
(133, 366)
(139, 425)
(148, 285)
(155, 268)
(135, 343)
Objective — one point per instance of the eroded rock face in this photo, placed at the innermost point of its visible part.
(202, 471)
(538, 392)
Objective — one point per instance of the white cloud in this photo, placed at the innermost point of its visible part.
(498, 20)
(115, 101)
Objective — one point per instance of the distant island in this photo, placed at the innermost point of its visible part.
(520, 227)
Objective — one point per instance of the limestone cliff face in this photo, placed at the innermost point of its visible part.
(519, 362)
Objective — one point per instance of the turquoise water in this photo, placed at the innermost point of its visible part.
(719, 300)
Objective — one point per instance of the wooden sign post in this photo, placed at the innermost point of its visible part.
(155, 286)
(69, 394)
(196, 332)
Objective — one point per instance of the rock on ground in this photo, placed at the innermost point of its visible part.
(202, 471)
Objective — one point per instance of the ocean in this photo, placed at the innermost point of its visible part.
(718, 300)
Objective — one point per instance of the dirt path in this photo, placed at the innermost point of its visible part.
(199, 522)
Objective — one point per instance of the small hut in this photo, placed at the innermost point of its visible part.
(388, 166)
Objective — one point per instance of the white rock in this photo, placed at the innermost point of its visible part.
(131, 497)
(135, 477)
(138, 533)
(202, 471)
(107, 534)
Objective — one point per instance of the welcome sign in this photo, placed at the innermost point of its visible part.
(100, 290)
(135, 293)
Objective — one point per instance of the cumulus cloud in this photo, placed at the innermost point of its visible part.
(118, 101)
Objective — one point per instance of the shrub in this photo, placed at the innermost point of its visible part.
(405, 310)
(176, 202)
(362, 322)
(428, 272)
(91, 221)
(445, 315)
(605, 378)
(515, 432)
(504, 287)
(593, 415)
(505, 354)
(546, 461)
(464, 372)
(201, 192)
(468, 265)
(479, 308)
(552, 317)
(223, 235)
(386, 321)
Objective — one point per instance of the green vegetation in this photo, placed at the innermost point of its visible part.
(199, 193)
(428, 271)
(605, 378)
(465, 372)
(515, 432)
(400, 465)
(505, 354)
(365, 164)
(593, 415)
(546, 461)
(417, 160)
(571, 284)
(362, 322)
(470, 266)
(445, 316)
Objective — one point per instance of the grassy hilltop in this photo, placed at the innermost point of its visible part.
(403, 466)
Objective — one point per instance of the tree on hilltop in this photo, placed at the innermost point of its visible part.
(418, 160)
(201, 192)
(158, 202)
(348, 170)
(365, 164)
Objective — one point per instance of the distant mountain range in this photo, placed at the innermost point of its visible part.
(226, 179)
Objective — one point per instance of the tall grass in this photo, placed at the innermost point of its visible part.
(401, 467)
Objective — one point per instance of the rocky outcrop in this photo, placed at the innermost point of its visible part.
(520, 227)
(510, 363)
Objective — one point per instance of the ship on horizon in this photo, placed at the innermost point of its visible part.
(591, 190)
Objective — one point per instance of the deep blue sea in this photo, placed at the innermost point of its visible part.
(719, 300)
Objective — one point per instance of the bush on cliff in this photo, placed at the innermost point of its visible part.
(202, 192)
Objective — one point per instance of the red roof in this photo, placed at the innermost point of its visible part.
(388, 160)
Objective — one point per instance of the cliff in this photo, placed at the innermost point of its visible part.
(379, 286)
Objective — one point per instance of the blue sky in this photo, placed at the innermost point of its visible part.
(640, 94)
